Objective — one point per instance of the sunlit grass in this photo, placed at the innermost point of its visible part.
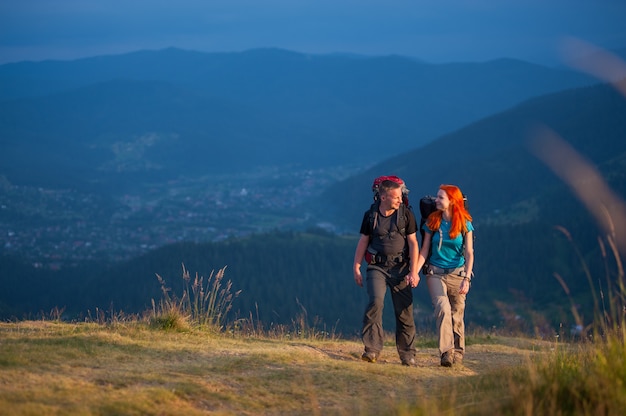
(585, 379)
(49, 367)
(86, 368)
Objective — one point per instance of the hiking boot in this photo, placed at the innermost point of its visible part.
(409, 362)
(458, 357)
(370, 357)
(447, 359)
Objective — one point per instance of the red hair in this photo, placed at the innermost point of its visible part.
(460, 215)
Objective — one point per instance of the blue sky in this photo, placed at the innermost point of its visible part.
(432, 30)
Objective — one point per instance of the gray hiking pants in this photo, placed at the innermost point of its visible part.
(402, 298)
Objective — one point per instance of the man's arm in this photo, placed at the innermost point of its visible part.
(413, 277)
(359, 254)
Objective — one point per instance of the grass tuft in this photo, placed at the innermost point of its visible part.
(203, 304)
(171, 319)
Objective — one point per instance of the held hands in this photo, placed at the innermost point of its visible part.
(412, 279)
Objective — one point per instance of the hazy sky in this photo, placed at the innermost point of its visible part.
(433, 30)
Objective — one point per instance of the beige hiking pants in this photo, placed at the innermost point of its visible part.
(449, 311)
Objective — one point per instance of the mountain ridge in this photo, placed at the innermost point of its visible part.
(590, 118)
(268, 107)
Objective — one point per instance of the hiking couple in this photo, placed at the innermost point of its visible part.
(389, 246)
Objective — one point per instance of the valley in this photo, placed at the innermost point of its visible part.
(54, 228)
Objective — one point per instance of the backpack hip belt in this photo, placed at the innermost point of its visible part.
(460, 271)
(378, 258)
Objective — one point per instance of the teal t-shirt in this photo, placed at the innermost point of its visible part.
(446, 253)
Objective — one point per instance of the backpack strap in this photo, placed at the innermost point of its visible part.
(401, 224)
(463, 233)
(401, 219)
(373, 215)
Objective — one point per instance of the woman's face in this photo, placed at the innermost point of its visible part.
(442, 201)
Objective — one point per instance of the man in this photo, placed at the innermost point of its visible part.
(389, 244)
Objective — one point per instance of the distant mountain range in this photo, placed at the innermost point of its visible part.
(156, 115)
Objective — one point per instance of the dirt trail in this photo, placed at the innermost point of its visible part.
(479, 359)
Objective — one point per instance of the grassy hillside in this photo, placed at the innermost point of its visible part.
(126, 368)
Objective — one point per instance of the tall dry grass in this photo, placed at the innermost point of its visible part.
(204, 303)
(588, 377)
(583, 378)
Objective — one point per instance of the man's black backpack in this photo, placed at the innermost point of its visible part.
(427, 207)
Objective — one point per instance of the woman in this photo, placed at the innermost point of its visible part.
(449, 232)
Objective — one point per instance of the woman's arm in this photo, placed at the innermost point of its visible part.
(469, 263)
(469, 253)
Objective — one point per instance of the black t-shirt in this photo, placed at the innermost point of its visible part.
(386, 239)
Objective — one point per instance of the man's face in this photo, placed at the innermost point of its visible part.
(392, 199)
